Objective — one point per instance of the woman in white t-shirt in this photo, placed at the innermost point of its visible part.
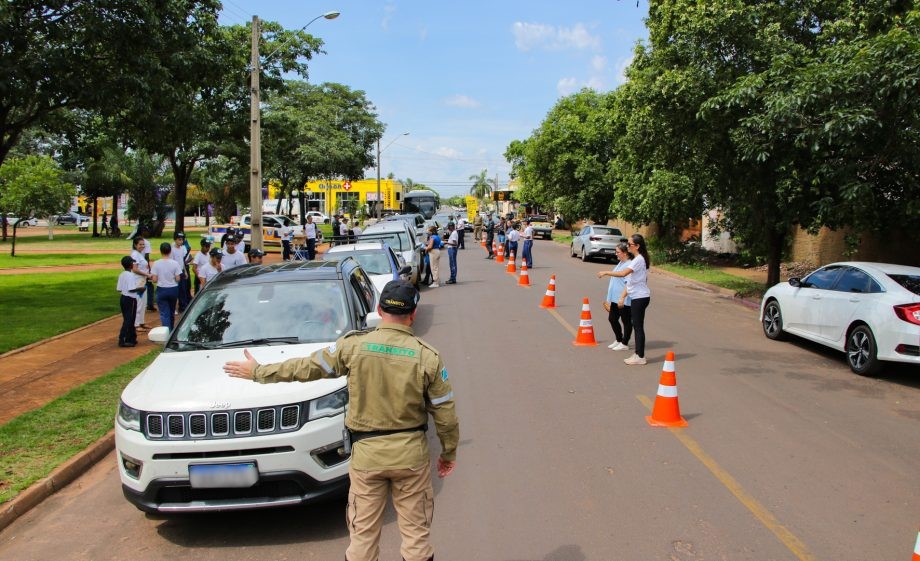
(141, 268)
(636, 274)
(166, 274)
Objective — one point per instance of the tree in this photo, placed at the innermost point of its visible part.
(480, 188)
(33, 186)
(51, 51)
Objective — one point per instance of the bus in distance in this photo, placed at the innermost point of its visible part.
(423, 201)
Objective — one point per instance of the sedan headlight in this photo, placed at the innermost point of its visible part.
(329, 405)
(128, 417)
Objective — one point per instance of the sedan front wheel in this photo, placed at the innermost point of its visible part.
(861, 351)
(773, 321)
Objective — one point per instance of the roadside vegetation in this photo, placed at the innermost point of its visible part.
(33, 444)
(23, 261)
(36, 306)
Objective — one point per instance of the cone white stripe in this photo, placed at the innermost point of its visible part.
(585, 308)
(917, 547)
(550, 292)
(667, 391)
(668, 366)
(585, 323)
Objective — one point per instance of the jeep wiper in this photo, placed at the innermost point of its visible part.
(193, 344)
(262, 341)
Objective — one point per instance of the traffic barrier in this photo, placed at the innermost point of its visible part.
(501, 254)
(524, 279)
(666, 412)
(549, 299)
(916, 556)
(511, 268)
(585, 336)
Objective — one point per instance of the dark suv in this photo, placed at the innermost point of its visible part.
(191, 438)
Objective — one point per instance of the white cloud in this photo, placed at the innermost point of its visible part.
(567, 86)
(599, 63)
(460, 100)
(388, 12)
(596, 83)
(423, 34)
(447, 152)
(529, 36)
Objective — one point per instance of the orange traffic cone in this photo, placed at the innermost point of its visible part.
(549, 299)
(666, 412)
(511, 268)
(524, 279)
(916, 556)
(501, 254)
(585, 337)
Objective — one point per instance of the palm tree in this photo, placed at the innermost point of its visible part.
(481, 187)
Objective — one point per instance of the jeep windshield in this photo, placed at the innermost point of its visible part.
(264, 314)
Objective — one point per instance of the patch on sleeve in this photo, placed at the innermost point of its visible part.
(331, 348)
(444, 374)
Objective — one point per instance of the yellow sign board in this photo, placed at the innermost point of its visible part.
(472, 208)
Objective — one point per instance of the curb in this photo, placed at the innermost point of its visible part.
(726, 293)
(57, 480)
(56, 337)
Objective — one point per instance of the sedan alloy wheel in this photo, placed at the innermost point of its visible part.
(861, 351)
(773, 321)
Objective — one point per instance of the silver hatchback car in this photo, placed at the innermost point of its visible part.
(594, 241)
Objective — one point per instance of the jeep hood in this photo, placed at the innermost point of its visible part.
(196, 381)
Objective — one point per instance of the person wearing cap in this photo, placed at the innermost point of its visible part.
(255, 256)
(453, 240)
(489, 227)
(395, 380)
(130, 285)
(232, 257)
(201, 259)
(180, 255)
(210, 269)
(527, 251)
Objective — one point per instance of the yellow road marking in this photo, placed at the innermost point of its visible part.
(564, 323)
(759, 511)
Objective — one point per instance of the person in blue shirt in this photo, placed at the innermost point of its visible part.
(433, 249)
(617, 312)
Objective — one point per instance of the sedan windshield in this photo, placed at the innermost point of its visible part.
(268, 313)
(397, 240)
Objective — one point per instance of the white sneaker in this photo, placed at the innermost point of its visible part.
(634, 360)
(433, 285)
(618, 346)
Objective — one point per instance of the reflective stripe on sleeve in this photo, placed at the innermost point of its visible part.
(667, 391)
(325, 365)
(443, 399)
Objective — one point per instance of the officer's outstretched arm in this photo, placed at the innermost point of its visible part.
(304, 369)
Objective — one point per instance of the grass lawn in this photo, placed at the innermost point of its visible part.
(75, 241)
(36, 306)
(741, 286)
(24, 260)
(35, 443)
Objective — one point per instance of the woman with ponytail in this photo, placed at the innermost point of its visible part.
(636, 275)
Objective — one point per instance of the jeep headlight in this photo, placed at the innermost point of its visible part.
(329, 405)
(128, 417)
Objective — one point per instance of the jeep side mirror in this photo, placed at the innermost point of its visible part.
(794, 281)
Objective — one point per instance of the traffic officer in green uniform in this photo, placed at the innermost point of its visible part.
(394, 381)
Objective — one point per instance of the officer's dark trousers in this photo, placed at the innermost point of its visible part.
(286, 249)
(150, 295)
(183, 297)
(311, 248)
(128, 335)
(460, 237)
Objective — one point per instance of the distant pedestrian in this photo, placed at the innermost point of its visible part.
(129, 285)
(287, 235)
(142, 269)
(461, 231)
(148, 249)
(232, 257)
(636, 274)
(201, 259)
(433, 249)
(105, 222)
(477, 227)
(453, 240)
(309, 230)
(180, 255)
(113, 225)
(210, 270)
(527, 251)
(618, 309)
(166, 274)
(489, 229)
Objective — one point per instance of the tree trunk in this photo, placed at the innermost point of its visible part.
(181, 173)
(13, 245)
(4, 224)
(95, 217)
(114, 218)
(776, 243)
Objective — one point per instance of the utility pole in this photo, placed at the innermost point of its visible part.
(255, 144)
(378, 202)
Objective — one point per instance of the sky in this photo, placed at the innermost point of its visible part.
(463, 78)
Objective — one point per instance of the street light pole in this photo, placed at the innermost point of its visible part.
(255, 131)
(379, 201)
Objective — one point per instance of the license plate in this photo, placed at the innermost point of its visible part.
(211, 476)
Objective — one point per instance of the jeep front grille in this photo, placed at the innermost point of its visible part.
(237, 423)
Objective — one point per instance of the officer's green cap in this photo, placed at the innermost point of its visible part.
(398, 297)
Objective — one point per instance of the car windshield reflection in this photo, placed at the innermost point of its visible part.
(278, 313)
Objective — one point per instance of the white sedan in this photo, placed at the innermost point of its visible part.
(871, 311)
